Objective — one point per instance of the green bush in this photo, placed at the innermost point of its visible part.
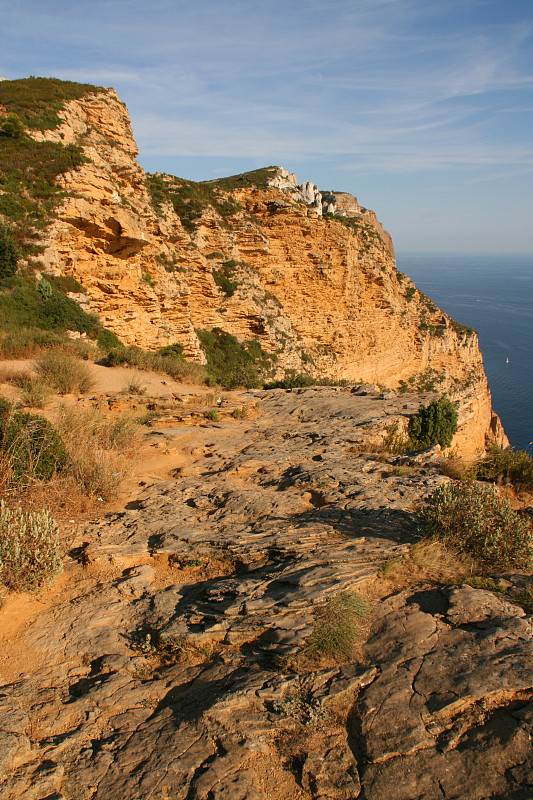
(168, 362)
(435, 424)
(29, 548)
(107, 340)
(292, 380)
(507, 466)
(64, 372)
(231, 363)
(12, 127)
(25, 304)
(474, 520)
(9, 252)
(30, 447)
(224, 282)
(256, 177)
(172, 350)
(189, 199)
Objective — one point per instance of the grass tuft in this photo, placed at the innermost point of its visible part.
(339, 627)
(64, 372)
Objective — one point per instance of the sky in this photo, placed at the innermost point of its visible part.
(423, 109)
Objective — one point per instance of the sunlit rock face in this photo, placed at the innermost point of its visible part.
(319, 290)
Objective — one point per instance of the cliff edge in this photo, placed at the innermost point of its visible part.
(310, 274)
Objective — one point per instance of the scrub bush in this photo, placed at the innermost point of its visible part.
(30, 447)
(435, 424)
(473, 520)
(29, 548)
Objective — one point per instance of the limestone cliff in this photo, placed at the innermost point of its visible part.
(310, 274)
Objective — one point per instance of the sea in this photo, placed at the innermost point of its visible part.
(494, 295)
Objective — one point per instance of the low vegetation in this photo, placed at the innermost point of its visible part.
(232, 363)
(189, 199)
(244, 180)
(338, 629)
(509, 466)
(169, 360)
(30, 448)
(36, 101)
(223, 277)
(99, 450)
(29, 548)
(428, 560)
(64, 372)
(475, 521)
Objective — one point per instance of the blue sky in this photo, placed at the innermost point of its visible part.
(421, 108)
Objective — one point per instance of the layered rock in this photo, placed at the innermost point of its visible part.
(170, 665)
(319, 291)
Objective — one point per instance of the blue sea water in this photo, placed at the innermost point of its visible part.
(494, 295)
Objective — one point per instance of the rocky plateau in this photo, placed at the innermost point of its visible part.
(169, 660)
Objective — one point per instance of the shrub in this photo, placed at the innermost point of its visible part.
(35, 393)
(224, 282)
(29, 548)
(24, 304)
(435, 424)
(133, 386)
(232, 363)
(173, 350)
(474, 520)
(30, 447)
(507, 466)
(26, 342)
(189, 199)
(9, 252)
(65, 373)
(107, 340)
(13, 126)
(292, 380)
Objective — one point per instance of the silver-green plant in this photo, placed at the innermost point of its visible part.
(29, 548)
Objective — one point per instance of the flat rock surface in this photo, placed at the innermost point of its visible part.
(164, 668)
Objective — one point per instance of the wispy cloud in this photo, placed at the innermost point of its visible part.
(397, 86)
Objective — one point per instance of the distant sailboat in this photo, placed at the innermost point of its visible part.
(507, 360)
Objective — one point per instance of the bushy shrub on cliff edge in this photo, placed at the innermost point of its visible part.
(435, 424)
(473, 520)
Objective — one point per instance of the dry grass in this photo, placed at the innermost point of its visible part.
(457, 469)
(133, 386)
(36, 393)
(98, 448)
(427, 561)
(64, 372)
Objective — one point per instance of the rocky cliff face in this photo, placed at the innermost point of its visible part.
(310, 274)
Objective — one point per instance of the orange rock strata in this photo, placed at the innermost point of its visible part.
(320, 293)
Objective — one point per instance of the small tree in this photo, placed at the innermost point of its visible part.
(435, 424)
(9, 252)
(12, 127)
